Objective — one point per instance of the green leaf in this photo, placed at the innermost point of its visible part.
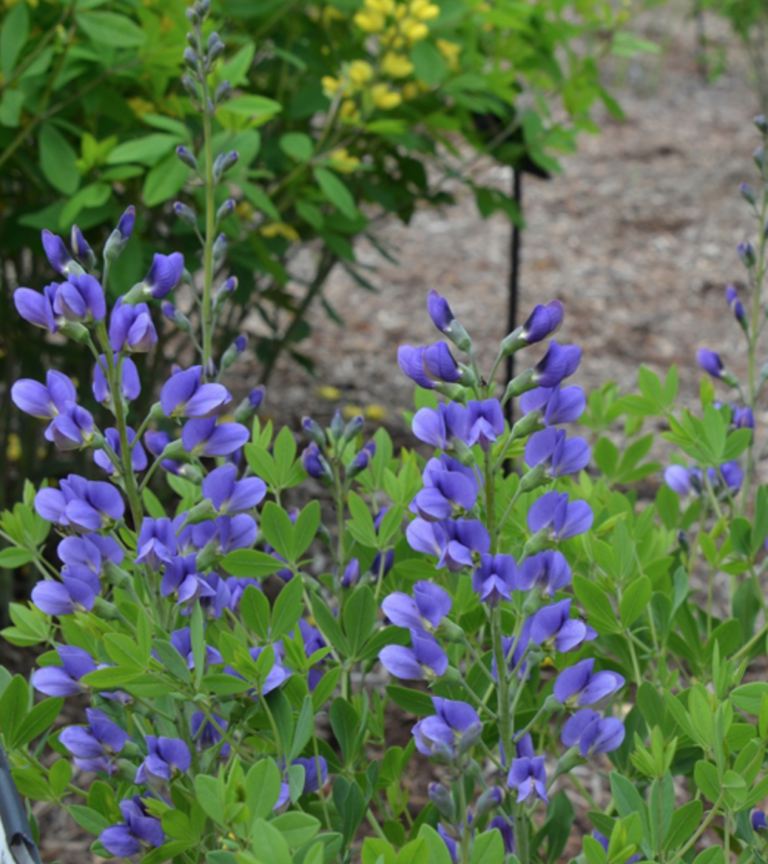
(359, 618)
(59, 776)
(254, 607)
(345, 723)
(172, 661)
(253, 106)
(635, 599)
(337, 192)
(111, 29)
(251, 563)
(15, 556)
(288, 608)
(628, 800)
(305, 725)
(438, 850)
(262, 786)
(166, 852)
(164, 180)
(13, 708)
(147, 150)
(488, 848)
(297, 145)
(88, 818)
(58, 160)
(305, 529)
(412, 701)
(13, 37)
(277, 528)
(210, 796)
(598, 606)
(705, 775)
(329, 625)
(38, 721)
(429, 65)
(197, 637)
(110, 679)
(123, 650)
(749, 697)
(297, 828)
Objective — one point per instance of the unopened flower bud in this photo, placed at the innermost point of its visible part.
(337, 426)
(204, 7)
(488, 801)
(759, 157)
(469, 739)
(186, 156)
(223, 92)
(120, 236)
(192, 89)
(233, 352)
(226, 209)
(443, 801)
(115, 576)
(534, 478)
(315, 465)
(215, 49)
(313, 431)
(519, 385)
(353, 429)
(200, 512)
(192, 17)
(747, 255)
(222, 163)
(189, 472)
(190, 58)
(81, 250)
(527, 425)
(177, 316)
(351, 574)
(761, 123)
(193, 41)
(75, 331)
(747, 194)
(362, 460)
(185, 213)
(219, 247)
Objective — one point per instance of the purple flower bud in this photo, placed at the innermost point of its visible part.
(747, 255)
(80, 248)
(579, 686)
(560, 362)
(226, 209)
(737, 307)
(163, 275)
(223, 92)
(439, 311)
(362, 460)
(542, 322)
(185, 213)
(494, 578)
(758, 821)
(256, 396)
(710, 362)
(222, 163)
(119, 238)
(219, 247)
(38, 309)
(57, 254)
(187, 157)
(314, 464)
(351, 574)
(747, 194)
(428, 364)
(563, 518)
(203, 437)
(138, 832)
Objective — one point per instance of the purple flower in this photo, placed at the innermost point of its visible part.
(514, 650)
(86, 552)
(229, 495)
(442, 425)
(164, 275)
(94, 745)
(226, 533)
(156, 442)
(448, 486)
(426, 365)
(156, 544)
(548, 571)
(737, 307)
(237, 588)
(138, 456)
(758, 820)
(424, 611)
(181, 578)
(65, 597)
(504, 826)
(557, 404)
(529, 777)
(185, 395)
(351, 575)
(710, 362)
(455, 724)
(130, 383)
(166, 756)
(484, 423)
(553, 627)
(64, 680)
(131, 328)
(558, 454)
(453, 542)
(57, 253)
(80, 298)
(562, 517)
(678, 478)
(560, 362)
(593, 733)
(542, 322)
(494, 578)
(426, 660)
(205, 734)
(47, 400)
(182, 641)
(138, 832)
(204, 438)
(313, 462)
(743, 418)
(450, 843)
(38, 309)
(72, 429)
(312, 782)
(578, 685)
(80, 504)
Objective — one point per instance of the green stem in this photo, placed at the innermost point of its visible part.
(505, 731)
(206, 311)
(465, 826)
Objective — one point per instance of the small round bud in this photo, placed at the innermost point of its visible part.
(223, 92)
(190, 59)
(222, 163)
(219, 247)
(186, 214)
(187, 157)
(193, 17)
(226, 209)
(313, 431)
(747, 255)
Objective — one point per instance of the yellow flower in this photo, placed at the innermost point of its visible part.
(375, 412)
(413, 30)
(350, 411)
(331, 86)
(401, 12)
(343, 162)
(13, 450)
(396, 65)
(383, 7)
(451, 51)
(424, 10)
(370, 22)
(245, 210)
(393, 39)
(279, 229)
(348, 110)
(140, 106)
(411, 91)
(328, 392)
(384, 97)
(360, 73)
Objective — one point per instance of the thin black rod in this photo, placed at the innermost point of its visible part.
(514, 278)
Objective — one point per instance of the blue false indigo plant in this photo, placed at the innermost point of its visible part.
(546, 621)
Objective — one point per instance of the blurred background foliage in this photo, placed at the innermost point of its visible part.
(342, 114)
